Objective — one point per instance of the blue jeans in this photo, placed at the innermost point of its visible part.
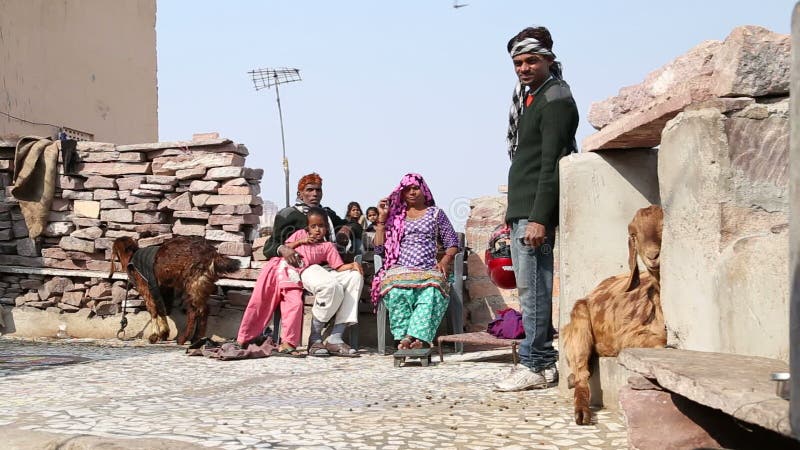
(533, 269)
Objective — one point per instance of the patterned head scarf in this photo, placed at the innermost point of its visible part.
(527, 45)
(395, 226)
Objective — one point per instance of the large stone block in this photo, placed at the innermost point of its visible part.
(54, 286)
(235, 248)
(203, 186)
(169, 165)
(116, 215)
(129, 183)
(224, 236)
(233, 200)
(751, 62)
(96, 181)
(80, 245)
(655, 421)
(724, 186)
(738, 385)
(113, 168)
(697, 63)
(224, 173)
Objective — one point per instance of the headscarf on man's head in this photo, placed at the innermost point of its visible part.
(533, 46)
(395, 226)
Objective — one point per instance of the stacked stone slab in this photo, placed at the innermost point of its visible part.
(484, 299)
(752, 62)
(706, 137)
(150, 192)
(723, 182)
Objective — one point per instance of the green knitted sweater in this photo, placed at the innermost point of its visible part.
(546, 134)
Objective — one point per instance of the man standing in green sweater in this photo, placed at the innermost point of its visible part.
(542, 126)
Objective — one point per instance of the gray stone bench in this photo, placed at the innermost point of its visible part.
(692, 392)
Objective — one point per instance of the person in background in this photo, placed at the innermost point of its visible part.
(372, 217)
(542, 124)
(356, 222)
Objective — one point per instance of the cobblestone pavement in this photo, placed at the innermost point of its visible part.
(119, 390)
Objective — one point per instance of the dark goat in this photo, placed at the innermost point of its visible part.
(186, 266)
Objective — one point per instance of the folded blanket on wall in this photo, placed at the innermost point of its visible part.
(35, 176)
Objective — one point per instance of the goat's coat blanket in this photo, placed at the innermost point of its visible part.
(35, 173)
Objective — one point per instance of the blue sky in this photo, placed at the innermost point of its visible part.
(405, 86)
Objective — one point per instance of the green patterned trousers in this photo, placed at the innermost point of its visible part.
(415, 312)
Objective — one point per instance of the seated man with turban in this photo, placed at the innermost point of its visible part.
(336, 293)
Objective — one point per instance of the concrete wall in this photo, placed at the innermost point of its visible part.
(84, 64)
(600, 193)
(724, 188)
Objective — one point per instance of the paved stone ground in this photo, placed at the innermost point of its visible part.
(114, 391)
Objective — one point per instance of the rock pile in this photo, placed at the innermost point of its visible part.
(752, 62)
(149, 192)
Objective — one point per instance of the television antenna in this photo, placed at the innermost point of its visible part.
(265, 79)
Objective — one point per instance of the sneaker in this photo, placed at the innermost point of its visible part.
(522, 379)
(551, 375)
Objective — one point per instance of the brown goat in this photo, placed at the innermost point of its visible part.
(622, 311)
(183, 266)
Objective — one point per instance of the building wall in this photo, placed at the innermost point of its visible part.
(89, 65)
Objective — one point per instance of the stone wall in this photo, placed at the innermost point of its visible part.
(724, 187)
(149, 192)
(718, 116)
(483, 297)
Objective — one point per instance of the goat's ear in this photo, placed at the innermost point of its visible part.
(633, 280)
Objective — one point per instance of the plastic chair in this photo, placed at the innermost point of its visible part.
(455, 310)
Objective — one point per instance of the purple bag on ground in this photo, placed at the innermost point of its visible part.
(507, 325)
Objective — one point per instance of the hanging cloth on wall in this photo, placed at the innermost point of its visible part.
(35, 176)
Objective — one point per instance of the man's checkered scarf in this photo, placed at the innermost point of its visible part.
(527, 45)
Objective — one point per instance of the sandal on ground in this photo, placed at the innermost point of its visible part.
(318, 349)
(341, 350)
(286, 347)
(289, 350)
